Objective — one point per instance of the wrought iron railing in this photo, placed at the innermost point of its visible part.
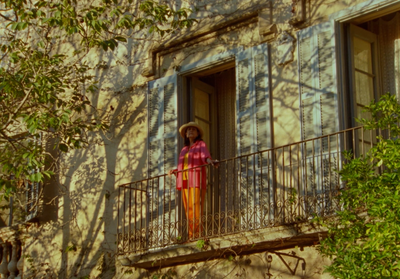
(283, 185)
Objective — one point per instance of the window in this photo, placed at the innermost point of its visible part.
(24, 204)
(343, 66)
(373, 63)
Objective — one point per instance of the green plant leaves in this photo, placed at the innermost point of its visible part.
(364, 238)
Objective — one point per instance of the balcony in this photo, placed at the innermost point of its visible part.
(258, 201)
(11, 262)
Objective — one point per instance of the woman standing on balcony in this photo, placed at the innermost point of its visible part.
(194, 181)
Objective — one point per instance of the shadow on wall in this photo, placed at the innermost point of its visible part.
(251, 266)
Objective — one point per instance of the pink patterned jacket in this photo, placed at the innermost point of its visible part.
(198, 155)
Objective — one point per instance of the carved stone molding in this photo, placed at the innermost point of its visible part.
(211, 28)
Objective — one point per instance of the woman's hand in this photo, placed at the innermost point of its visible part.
(214, 163)
(171, 172)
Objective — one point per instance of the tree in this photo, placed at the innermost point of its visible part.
(364, 238)
(45, 88)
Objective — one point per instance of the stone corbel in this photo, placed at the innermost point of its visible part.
(298, 12)
(266, 27)
(284, 48)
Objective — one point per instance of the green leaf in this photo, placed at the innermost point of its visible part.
(63, 147)
(121, 39)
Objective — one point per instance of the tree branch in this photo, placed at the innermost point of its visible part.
(6, 18)
(17, 109)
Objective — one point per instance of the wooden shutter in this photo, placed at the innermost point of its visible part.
(318, 110)
(253, 125)
(317, 74)
(262, 95)
(252, 100)
(245, 102)
(162, 151)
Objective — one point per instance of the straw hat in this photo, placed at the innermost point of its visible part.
(182, 129)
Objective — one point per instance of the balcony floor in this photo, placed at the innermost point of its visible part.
(255, 241)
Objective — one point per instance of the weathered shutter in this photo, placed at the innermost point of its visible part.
(162, 152)
(317, 72)
(261, 88)
(263, 166)
(253, 126)
(319, 111)
(245, 131)
(245, 102)
(252, 100)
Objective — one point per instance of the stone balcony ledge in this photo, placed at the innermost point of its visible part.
(255, 241)
(11, 263)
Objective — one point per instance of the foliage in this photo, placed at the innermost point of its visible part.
(45, 87)
(200, 244)
(203, 244)
(364, 238)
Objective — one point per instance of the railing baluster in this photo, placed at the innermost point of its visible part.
(219, 203)
(124, 221)
(118, 223)
(270, 195)
(321, 178)
(329, 176)
(226, 193)
(253, 161)
(290, 184)
(283, 186)
(213, 203)
(298, 180)
(135, 215)
(130, 218)
(247, 192)
(161, 208)
(274, 187)
(260, 157)
(240, 193)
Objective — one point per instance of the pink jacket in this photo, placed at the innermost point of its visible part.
(198, 155)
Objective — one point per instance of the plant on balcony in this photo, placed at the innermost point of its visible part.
(45, 85)
(364, 239)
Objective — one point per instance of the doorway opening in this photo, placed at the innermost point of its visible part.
(209, 99)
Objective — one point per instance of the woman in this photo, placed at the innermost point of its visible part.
(194, 181)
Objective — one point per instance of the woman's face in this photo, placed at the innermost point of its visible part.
(192, 133)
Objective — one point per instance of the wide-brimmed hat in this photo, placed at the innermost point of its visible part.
(182, 129)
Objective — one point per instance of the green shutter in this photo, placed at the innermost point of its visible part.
(253, 128)
(162, 153)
